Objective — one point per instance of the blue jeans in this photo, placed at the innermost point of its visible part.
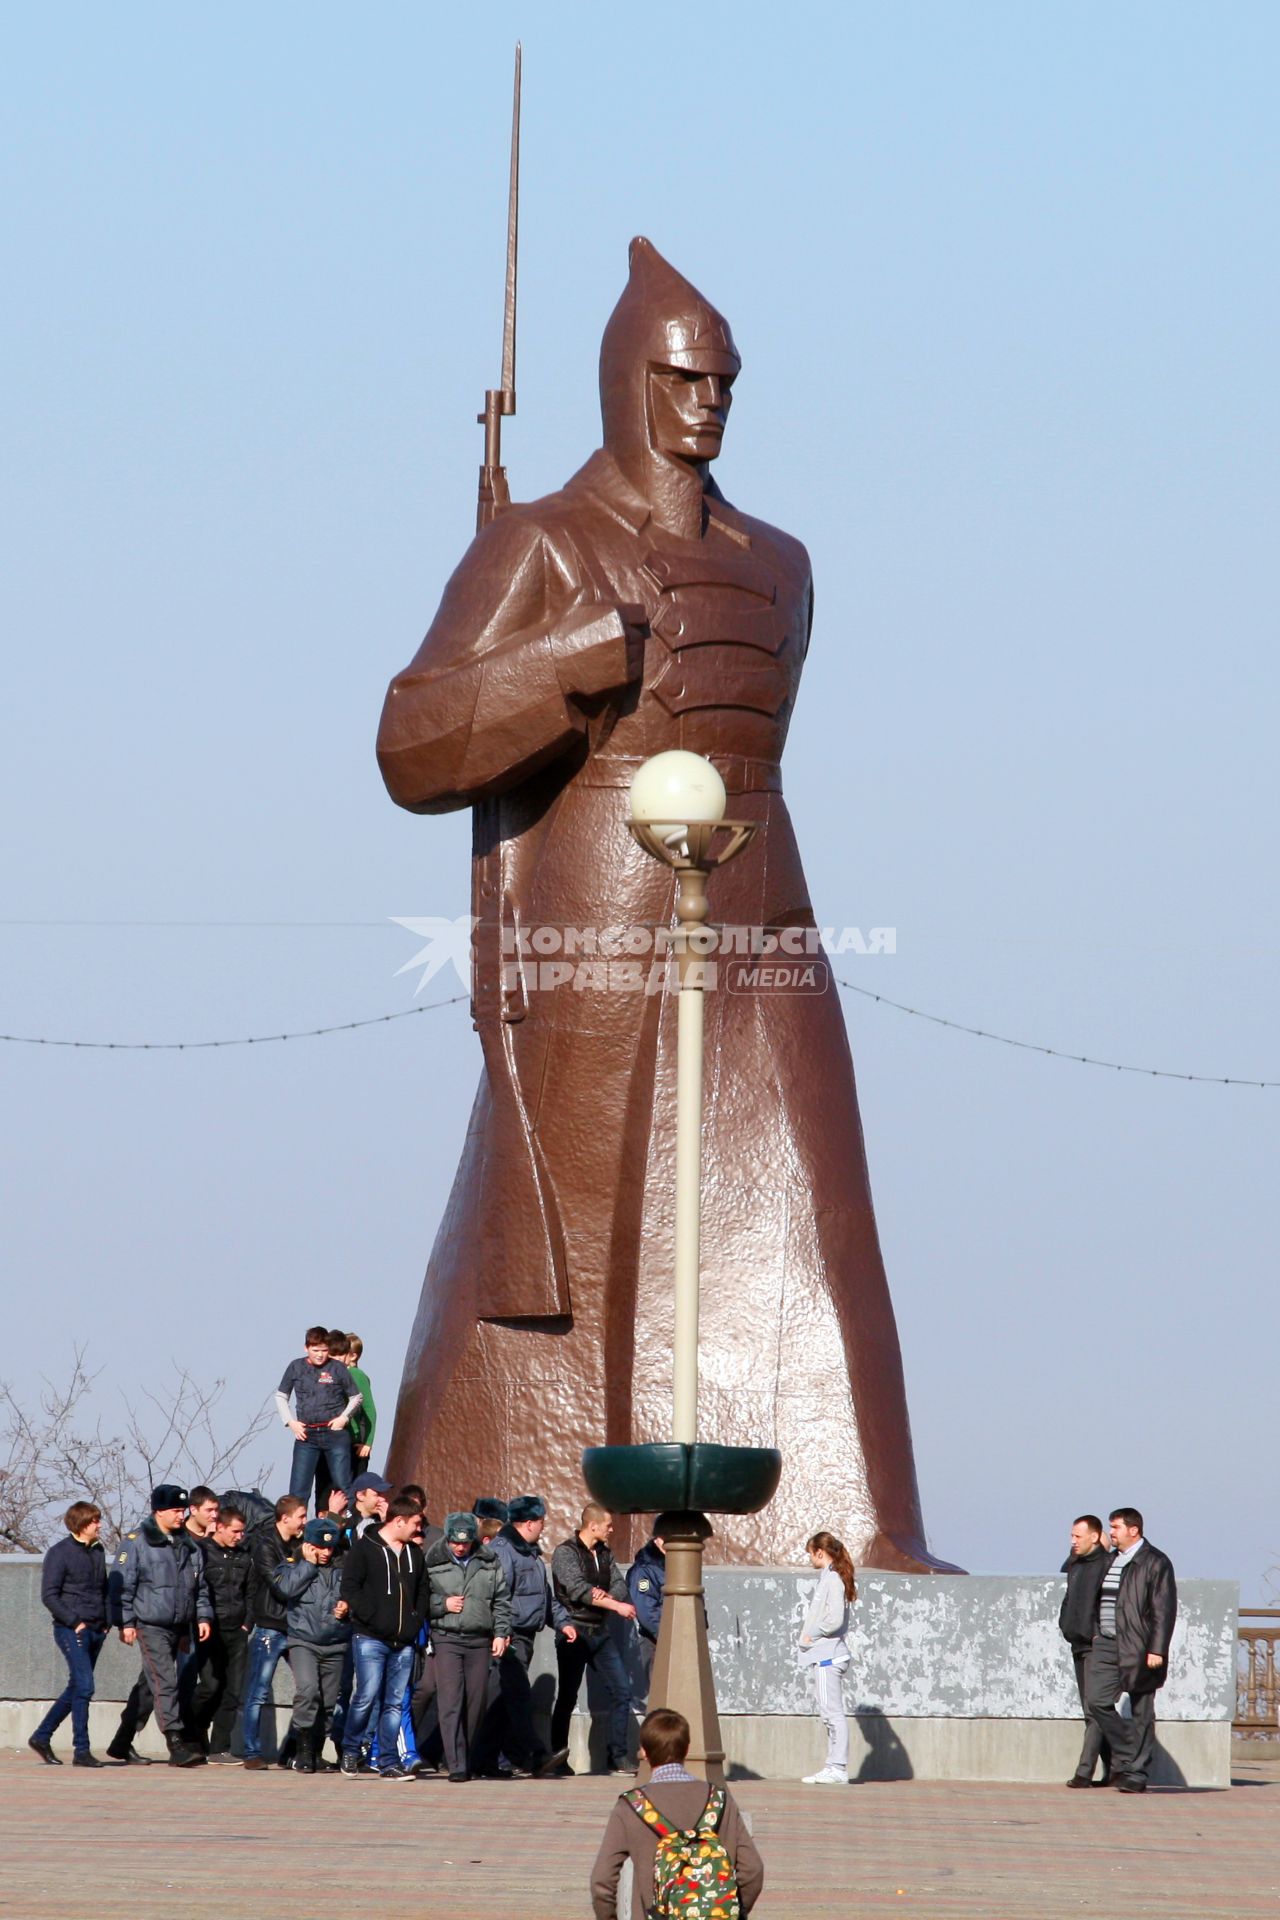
(382, 1673)
(336, 1448)
(80, 1651)
(595, 1647)
(406, 1753)
(265, 1649)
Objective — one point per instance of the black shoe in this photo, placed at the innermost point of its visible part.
(303, 1763)
(45, 1751)
(552, 1764)
(181, 1755)
(128, 1756)
(86, 1760)
(1129, 1785)
(1079, 1780)
(459, 1778)
(621, 1766)
(349, 1765)
(394, 1773)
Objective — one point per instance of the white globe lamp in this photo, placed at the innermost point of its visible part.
(677, 789)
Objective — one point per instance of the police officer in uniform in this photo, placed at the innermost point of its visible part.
(161, 1600)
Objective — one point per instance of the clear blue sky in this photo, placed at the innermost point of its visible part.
(1005, 281)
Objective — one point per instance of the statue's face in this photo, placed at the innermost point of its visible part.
(687, 412)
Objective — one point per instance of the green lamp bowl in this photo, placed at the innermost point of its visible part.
(671, 1476)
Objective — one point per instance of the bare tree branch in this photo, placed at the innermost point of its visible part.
(59, 1451)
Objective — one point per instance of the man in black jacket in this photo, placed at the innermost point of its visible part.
(270, 1546)
(1137, 1608)
(589, 1586)
(214, 1676)
(1078, 1622)
(384, 1583)
(73, 1587)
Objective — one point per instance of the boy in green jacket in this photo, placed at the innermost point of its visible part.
(365, 1418)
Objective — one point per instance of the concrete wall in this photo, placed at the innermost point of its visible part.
(972, 1646)
(952, 1677)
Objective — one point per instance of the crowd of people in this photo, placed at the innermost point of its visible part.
(410, 1643)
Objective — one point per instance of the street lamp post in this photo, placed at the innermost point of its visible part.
(677, 815)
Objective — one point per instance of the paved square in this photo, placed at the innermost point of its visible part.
(160, 1844)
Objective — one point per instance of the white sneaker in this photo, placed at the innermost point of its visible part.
(827, 1777)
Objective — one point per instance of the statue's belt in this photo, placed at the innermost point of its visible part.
(739, 773)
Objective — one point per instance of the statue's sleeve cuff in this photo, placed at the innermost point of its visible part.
(589, 650)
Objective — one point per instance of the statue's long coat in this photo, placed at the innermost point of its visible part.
(545, 1324)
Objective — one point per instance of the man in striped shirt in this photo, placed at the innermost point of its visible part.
(1137, 1608)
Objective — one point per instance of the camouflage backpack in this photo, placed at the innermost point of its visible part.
(693, 1876)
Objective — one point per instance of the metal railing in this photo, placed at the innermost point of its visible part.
(1257, 1674)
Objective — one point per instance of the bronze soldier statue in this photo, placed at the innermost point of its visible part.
(636, 610)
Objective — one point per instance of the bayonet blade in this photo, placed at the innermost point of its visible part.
(513, 233)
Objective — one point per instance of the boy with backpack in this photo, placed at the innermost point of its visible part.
(688, 1845)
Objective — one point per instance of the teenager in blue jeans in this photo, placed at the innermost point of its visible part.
(324, 1398)
(277, 1543)
(73, 1587)
(384, 1582)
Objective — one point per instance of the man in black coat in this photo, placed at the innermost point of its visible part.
(1078, 1622)
(1137, 1608)
(275, 1544)
(214, 1676)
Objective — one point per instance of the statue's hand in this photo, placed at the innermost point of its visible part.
(598, 648)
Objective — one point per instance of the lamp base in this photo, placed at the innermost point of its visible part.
(682, 1676)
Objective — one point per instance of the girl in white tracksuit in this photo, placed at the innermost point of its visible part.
(825, 1650)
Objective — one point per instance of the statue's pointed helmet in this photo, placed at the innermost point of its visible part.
(661, 320)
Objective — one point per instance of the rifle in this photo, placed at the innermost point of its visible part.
(494, 493)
